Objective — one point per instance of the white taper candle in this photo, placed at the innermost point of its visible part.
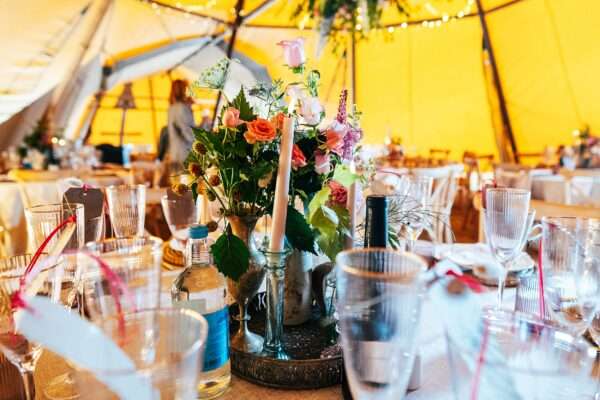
(282, 185)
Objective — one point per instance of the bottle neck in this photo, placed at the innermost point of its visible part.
(376, 222)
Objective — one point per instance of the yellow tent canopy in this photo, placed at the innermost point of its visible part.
(425, 78)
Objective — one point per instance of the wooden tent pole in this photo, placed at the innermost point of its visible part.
(507, 127)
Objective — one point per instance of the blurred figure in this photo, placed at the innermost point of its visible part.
(180, 124)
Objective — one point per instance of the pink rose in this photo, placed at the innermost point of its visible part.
(339, 194)
(298, 158)
(311, 110)
(322, 163)
(335, 137)
(293, 52)
(231, 117)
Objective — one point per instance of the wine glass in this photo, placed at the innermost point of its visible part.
(379, 296)
(17, 349)
(180, 212)
(505, 227)
(135, 261)
(570, 268)
(518, 356)
(416, 208)
(127, 209)
(167, 370)
(41, 221)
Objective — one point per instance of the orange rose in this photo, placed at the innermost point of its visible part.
(277, 120)
(260, 130)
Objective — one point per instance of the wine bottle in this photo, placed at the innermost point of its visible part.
(376, 235)
(376, 222)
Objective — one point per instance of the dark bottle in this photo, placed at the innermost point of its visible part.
(376, 235)
(376, 223)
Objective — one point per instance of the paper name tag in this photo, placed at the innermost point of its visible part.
(180, 215)
(93, 206)
(75, 339)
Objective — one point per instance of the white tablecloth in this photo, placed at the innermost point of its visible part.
(436, 379)
(576, 190)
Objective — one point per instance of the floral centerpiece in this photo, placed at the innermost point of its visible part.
(235, 164)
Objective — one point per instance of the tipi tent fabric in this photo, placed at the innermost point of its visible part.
(35, 60)
(422, 81)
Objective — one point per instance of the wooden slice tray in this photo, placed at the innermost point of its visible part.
(314, 362)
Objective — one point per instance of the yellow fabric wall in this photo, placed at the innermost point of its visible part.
(427, 85)
(526, 42)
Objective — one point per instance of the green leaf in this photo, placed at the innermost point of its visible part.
(344, 176)
(320, 198)
(325, 221)
(331, 245)
(231, 256)
(240, 102)
(298, 232)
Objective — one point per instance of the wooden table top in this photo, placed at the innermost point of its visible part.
(50, 366)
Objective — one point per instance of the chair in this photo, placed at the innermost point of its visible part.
(471, 182)
(439, 156)
(445, 185)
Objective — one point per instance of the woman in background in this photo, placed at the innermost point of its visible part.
(180, 124)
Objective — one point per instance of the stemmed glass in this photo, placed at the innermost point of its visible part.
(127, 209)
(505, 227)
(416, 207)
(571, 270)
(180, 212)
(41, 221)
(379, 296)
(17, 349)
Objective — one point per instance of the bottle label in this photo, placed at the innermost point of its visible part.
(216, 352)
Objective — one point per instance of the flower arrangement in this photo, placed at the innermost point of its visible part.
(335, 17)
(236, 163)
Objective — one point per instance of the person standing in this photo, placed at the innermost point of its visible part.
(180, 124)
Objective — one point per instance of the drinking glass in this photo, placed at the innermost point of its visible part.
(17, 349)
(170, 368)
(416, 208)
(137, 263)
(505, 225)
(571, 271)
(43, 219)
(513, 356)
(127, 209)
(180, 213)
(379, 296)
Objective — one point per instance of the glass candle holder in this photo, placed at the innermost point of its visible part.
(275, 267)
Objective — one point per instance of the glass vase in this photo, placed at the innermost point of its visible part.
(275, 267)
(244, 289)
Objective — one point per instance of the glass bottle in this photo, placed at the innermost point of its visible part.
(376, 235)
(202, 288)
